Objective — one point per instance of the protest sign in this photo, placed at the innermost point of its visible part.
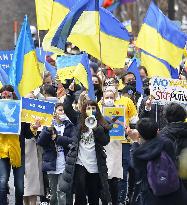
(33, 109)
(116, 116)
(6, 58)
(10, 116)
(168, 90)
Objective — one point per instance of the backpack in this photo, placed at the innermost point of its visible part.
(162, 175)
(182, 160)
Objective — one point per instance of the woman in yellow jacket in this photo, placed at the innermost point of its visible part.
(10, 155)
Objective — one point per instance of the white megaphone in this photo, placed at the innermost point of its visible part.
(91, 122)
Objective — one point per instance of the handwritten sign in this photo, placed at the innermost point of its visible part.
(116, 116)
(33, 109)
(10, 116)
(168, 90)
(6, 58)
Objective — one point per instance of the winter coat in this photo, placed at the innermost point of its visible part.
(152, 113)
(141, 154)
(177, 133)
(49, 145)
(102, 138)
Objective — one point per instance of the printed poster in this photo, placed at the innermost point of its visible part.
(116, 115)
(10, 116)
(33, 109)
(166, 90)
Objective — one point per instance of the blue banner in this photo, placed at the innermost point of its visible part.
(33, 109)
(38, 105)
(6, 58)
(10, 116)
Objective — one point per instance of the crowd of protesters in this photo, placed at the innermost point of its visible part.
(74, 162)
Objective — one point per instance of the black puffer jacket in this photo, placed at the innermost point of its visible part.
(141, 154)
(177, 133)
(49, 146)
(102, 138)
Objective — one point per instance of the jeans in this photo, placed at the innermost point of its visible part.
(57, 197)
(18, 173)
(86, 184)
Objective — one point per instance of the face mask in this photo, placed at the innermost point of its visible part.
(132, 83)
(62, 117)
(109, 102)
(91, 112)
(96, 87)
(69, 50)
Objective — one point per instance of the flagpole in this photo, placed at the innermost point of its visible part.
(99, 34)
(100, 46)
(15, 32)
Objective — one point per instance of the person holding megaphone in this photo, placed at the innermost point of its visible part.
(86, 162)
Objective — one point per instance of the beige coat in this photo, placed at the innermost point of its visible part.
(33, 181)
(114, 159)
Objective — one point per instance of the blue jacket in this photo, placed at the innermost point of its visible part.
(50, 153)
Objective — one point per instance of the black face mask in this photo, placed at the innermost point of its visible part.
(96, 87)
(132, 83)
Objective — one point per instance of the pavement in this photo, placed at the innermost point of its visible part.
(11, 197)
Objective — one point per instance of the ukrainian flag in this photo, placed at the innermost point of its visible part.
(43, 13)
(158, 67)
(43, 64)
(96, 31)
(60, 9)
(161, 37)
(76, 66)
(24, 73)
(133, 68)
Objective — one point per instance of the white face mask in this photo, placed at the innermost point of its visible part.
(62, 117)
(69, 50)
(109, 102)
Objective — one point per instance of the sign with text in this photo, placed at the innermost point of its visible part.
(6, 58)
(164, 91)
(33, 109)
(10, 116)
(116, 116)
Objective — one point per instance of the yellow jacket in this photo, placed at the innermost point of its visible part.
(10, 148)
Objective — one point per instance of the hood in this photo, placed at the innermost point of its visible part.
(150, 149)
(178, 129)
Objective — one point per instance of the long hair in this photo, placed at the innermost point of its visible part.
(100, 119)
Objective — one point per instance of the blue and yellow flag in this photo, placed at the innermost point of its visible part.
(76, 66)
(161, 37)
(59, 11)
(133, 68)
(95, 31)
(43, 13)
(157, 67)
(41, 55)
(24, 73)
